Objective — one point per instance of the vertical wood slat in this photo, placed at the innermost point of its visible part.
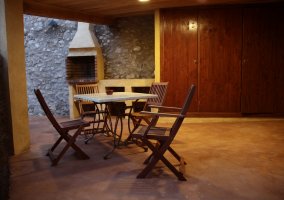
(279, 60)
(227, 81)
(87, 88)
(179, 58)
(178, 54)
(263, 61)
(161, 90)
(220, 45)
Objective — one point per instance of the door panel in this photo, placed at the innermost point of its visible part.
(263, 60)
(278, 58)
(179, 54)
(220, 43)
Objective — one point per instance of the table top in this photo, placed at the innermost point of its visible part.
(116, 96)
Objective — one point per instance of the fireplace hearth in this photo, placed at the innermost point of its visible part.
(81, 69)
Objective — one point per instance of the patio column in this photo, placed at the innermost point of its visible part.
(157, 47)
(13, 72)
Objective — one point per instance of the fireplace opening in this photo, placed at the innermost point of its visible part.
(81, 69)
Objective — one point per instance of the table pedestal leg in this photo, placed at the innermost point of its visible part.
(116, 136)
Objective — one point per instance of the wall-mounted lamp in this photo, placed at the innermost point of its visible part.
(192, 25)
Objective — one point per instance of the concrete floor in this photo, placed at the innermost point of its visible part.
(227, 159)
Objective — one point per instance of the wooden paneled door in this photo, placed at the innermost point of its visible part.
(263, 60)
(278, 59)
(179, 54)
(220, 48)
(235, 57)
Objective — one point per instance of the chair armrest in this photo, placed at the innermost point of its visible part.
(128, 110)
(167, 107)
(77, 100)
(162, 114)
(128, 107)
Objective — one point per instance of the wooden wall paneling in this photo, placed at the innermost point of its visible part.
(179, 50)
(220, 44)
(167, 56)
(190, 62)
(259, 81)
(278, 56)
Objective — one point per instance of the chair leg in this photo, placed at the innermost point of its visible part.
(148, 168)
(146, 120)
(157, 145)
(70, 142)
(178, 174)
(81, 153)
(153, 161)
(56, 160)
(178, 157)
(56, 144)
(131, 119)
(148, 159)
(158, 155)
(136, 125)
(96, 125)
(129, 138)
(171, 150)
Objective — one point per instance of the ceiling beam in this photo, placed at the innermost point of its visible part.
(62, 13)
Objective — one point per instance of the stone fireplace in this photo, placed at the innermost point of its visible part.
(84, 65)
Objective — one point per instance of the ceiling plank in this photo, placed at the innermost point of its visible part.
(63, 13)
(102, 11)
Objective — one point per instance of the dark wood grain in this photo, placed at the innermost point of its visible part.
(263, 60)
(220, 43)
(103, 11)
(240, 58)
(178, 55)
(279, 59)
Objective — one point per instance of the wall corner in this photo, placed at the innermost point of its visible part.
(157, 47)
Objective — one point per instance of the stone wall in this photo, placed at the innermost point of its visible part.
(127, 45)
(46, 45)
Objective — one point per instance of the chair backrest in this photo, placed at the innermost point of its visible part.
(47, 110)
(84, 106)
(87, 88)
(183, 110)
(160, 89)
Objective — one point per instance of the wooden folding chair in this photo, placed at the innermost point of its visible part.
(135, 118)
(90, 110)
(85, 107)
(164, 137)
(63, 129)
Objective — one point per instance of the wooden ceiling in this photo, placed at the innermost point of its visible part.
(104, 11)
